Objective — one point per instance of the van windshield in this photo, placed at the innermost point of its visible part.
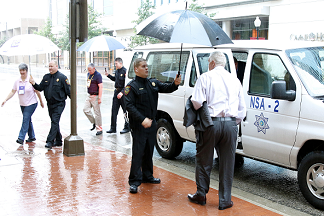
(309, 65)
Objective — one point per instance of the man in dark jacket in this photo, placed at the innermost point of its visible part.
(117, 102)
(141, 98)
(56, 88)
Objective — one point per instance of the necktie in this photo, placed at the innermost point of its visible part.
(50, 87)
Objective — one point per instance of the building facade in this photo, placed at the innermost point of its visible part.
(280, 19)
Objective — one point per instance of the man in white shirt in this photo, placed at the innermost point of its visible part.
(223, 93)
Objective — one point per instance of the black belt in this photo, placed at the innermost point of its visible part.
(95, 93)
(223, 118)
(119, 89)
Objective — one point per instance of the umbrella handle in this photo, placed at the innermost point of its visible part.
(180, 61)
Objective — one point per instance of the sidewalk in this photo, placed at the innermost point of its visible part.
(37, 181)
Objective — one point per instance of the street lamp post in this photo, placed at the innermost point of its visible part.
(257, 24)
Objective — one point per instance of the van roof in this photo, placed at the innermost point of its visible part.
(244, 44)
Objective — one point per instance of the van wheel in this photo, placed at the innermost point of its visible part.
(168, 143)
(239, 161)
(311, 178)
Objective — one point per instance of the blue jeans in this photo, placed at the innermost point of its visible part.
(27, 125)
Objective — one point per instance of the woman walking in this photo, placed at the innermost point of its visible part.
(28, 103)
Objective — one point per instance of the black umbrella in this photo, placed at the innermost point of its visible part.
(184, 26)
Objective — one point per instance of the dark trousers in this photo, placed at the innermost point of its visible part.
(116, 104)
(55, 111)
(221, 136)
(142, 152)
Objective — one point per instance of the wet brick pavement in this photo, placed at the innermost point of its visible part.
(37, 181)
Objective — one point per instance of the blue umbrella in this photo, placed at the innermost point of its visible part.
(101, 43)
(184, 26)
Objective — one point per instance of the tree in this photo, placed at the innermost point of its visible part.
(94, 29)
(144, 11)
(199, 8)
(46, 31)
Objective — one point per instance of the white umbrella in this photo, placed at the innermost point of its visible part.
(101, 43)
(27, 44)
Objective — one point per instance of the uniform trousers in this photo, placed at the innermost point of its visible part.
(92, 102)
(142, 152)
(222, 136)
(116, 104)
(55, 111)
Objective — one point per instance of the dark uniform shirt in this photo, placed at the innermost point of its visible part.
(141, 98)
(96, 79)
(56, 87)
(119, 78)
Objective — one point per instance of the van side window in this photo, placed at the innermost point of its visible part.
(265, 69)
(193, 75)
(164, 66)
(241, 58)
(131, 72)
(202, 59)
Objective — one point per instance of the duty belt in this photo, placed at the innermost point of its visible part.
(223, 118)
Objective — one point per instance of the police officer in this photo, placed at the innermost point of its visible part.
(56, 88)
(119, 80)
(141, 99)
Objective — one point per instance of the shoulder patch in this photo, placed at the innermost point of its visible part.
(127, 89)
(67, 81)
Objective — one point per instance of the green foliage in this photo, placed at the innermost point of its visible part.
(194, 6)
(46, 31)
(94, 29)
(143, 12)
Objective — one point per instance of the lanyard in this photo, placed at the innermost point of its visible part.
(89, 80)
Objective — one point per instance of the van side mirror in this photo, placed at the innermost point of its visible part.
(278, 91)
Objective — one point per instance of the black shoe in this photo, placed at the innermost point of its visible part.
(195, 198)
(152, 181)
(133, 189)
(111, 131)
(125, 130)
(226, 207)
(31, 140)
(56, 143)
(99, 133)
(20, 141)
(48, 145)
(94, 127)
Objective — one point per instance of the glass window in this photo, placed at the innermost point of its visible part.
(244, 29)
(193, 75)
(131, 72)
(203, 64)
(309, 65)
(108, 7)
(265, 69)
(164, 66)
(240, 64)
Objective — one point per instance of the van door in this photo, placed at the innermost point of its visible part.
(270, 127)
(200, 66)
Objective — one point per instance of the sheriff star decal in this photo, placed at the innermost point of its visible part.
(261, 123)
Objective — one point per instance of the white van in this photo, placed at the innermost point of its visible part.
(283, 85)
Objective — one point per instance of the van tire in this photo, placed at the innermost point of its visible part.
(309, 184)
(168, 143)
(239, 161)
